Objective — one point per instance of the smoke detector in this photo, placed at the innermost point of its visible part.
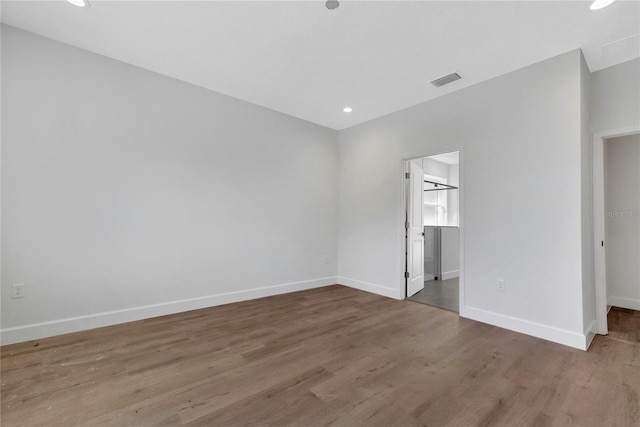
(332, 4)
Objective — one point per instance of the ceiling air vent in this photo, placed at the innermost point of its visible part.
(446, 79)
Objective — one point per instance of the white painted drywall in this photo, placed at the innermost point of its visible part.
(520, 136)
(450, 256)
(615, 97)
(435, 168)
(453, 195)
(622, 220)
(586, 196)
(123, 189)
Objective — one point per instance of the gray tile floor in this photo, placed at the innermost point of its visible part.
(440, 293)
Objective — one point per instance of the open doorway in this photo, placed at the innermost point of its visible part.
(622, 229)
(616, 194)
(432, 230)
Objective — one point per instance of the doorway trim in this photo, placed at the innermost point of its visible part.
(599, 255)
(402, 288)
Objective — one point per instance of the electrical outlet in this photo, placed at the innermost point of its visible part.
(326, 259)
(17, 290)
(502, 285)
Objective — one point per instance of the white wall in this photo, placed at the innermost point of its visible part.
(450, 257)
(622, 225)
(586, 195)
(615, 97)
(453, 195)
(435, 168)
(127, 194)
(520, 137)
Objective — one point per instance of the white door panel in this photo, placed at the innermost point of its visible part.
(415, 230)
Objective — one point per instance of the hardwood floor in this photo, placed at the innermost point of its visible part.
(624, 324)
(329, 356)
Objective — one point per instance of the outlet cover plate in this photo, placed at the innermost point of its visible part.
(17, 291)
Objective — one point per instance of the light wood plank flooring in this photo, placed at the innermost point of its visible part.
(329, 356)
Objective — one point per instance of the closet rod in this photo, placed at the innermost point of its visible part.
(447, 187)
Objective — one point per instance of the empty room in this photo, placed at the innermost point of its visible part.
(310, 213)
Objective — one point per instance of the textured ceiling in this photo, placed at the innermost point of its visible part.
(304, 60)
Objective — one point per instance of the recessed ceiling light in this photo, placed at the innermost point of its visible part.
(79, 3)
(332, 4)
(599, 4)
(347, 109)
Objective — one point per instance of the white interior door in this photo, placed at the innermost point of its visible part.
(429, 252)
(415, 230)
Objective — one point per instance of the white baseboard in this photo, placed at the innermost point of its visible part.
(450, 274)
(98, 320)
(622, 302)
(538, 330)
(369, 287)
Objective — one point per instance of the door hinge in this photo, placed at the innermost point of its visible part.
(602, 243)
(406, 274)
(407, 175)
(406, 225)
